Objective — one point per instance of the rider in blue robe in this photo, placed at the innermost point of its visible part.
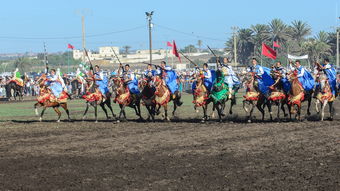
(149, 72)
(208, 77)
(101, 81)
(305, 77)
(54, 84)
(331, 75)
(286, 86)
(263, 77)
(131, 80)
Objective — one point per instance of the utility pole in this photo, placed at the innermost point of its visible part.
(83, 35)
(149, 17)
(235, 44)
(337, 45)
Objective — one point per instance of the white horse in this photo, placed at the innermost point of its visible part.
(324, 96)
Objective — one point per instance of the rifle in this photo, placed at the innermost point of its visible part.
(91, 66)
(156, 66)
(114, 52)
(217, 60)
(189, 59)
(45, 59)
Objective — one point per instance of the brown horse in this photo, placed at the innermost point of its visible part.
(163, 96)
(94, 98)
(201, 96)
(47, 99)
(296, 96)
(125, 98)
(254, 98)
(324, 97)
(148, 96)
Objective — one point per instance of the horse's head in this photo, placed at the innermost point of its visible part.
(157, 80)
(324, 85)
(41, 80)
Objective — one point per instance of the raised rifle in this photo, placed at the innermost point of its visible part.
(196, 66)
(45, 59)
(91, 66)
(217, 59)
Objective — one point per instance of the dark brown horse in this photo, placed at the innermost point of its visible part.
(47, 99)
(148, 96)
(94, 98)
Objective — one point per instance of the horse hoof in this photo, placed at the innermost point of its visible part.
(249, 121)
(96, 121)
(40, 119)
(58, 121)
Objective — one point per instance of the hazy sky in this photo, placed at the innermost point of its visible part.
(26, 24)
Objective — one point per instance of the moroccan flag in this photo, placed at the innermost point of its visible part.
(276, 44)
(267, 51)
(175, 52)
(70, 46)
(169, 44)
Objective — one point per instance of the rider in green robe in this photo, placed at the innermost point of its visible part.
(220, 90)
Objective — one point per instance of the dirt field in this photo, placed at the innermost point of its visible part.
(180, 155)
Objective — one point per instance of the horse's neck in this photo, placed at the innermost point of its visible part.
(296, 87)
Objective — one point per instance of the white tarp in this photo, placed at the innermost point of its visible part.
(297, 57)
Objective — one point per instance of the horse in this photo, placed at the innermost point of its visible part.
(47, 99)
(77, 87)
(163, 96)
(278, 97)
(125, 98)
(94, 98)
(148, 97)
(14, 90)
(254, 98)
(201, 96)
(324, 97)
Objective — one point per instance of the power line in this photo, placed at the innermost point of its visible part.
(70, 37)
(189, 34)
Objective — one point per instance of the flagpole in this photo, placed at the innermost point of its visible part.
(166, 56)
(68, 63)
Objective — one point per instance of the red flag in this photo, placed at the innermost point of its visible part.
(169, 44)
(276, 44)
(70, 46)
(175, 52)
(267, 51)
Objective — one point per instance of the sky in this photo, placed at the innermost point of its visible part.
(26, 25)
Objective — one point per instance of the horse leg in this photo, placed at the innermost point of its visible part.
(331, 112)
(283, 108)
(232, 103)
(259, 107)
(64, 106)
(219, 112)
(166, 113)
(309, 103)
(87, 108)
(175, 107)
(317, 102)
(58, 112)
(104, 109)
(42, 113)
(323, 109)
(269, 106)
(108, 103)
(36, 105)
(95, 112)
(278, 110)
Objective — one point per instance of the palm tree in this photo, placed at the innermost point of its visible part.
(260, 35)
(278, 31)
(317, 47)
(298, 31)
(245, 45)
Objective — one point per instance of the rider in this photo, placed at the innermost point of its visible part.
(280, 76)
(17, 77)
(305, 78)
(208, 78)
(131, 80)
(60, 78)
(263, 77)
(230, 77)
(170, 78)
(329, 70)
(101, 82)
(54, 84)
(149, 72)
